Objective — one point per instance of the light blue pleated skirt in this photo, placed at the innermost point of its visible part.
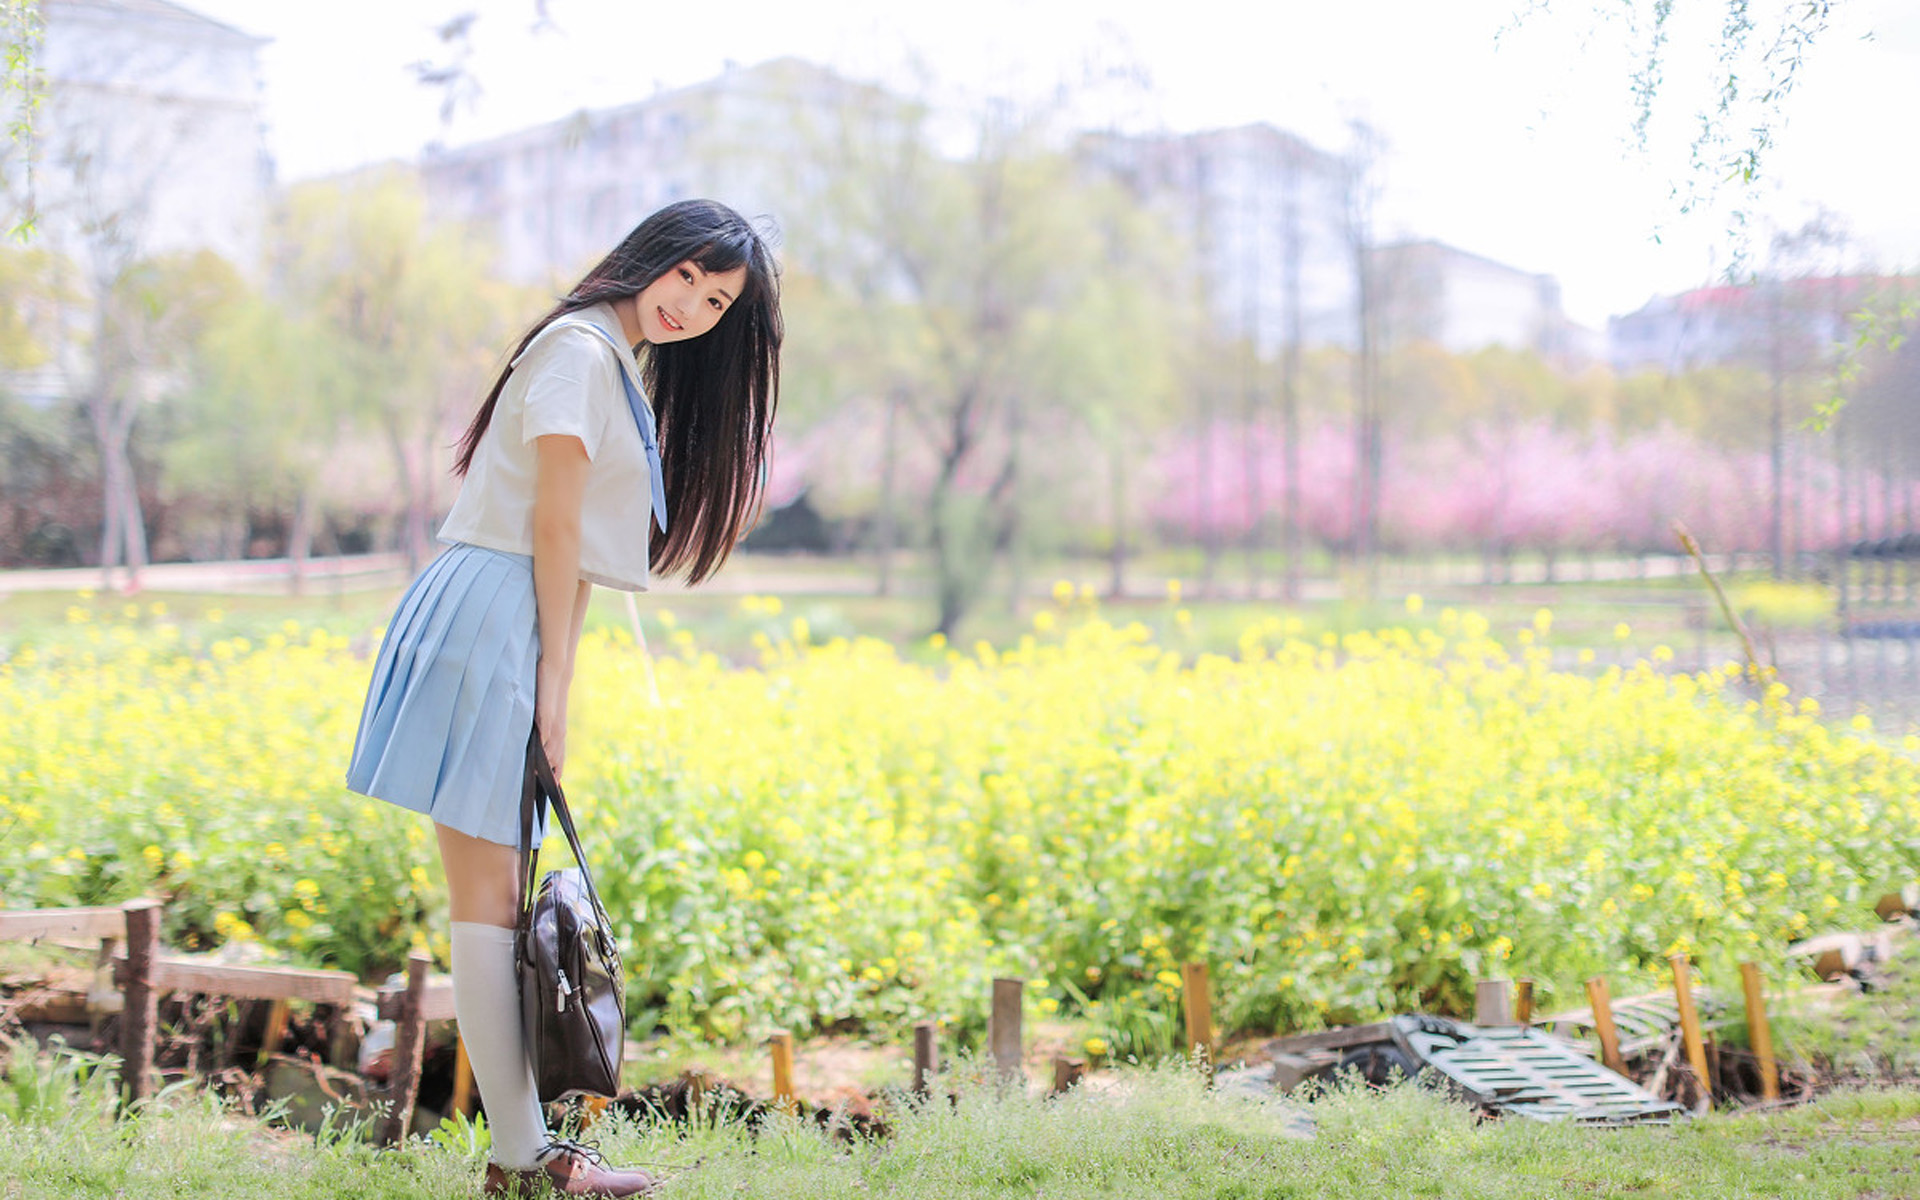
(450, 705)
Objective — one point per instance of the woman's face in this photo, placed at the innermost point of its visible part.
(685, 302)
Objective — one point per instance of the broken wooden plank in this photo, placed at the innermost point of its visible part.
(246, 983)
(436, 1001)
(29, 924)
(1332, 1039)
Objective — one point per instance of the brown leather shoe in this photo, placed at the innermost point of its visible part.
(567, 1169)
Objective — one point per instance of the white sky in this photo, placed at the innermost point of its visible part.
(1515, 148)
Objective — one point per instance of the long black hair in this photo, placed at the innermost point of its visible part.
(713, 395)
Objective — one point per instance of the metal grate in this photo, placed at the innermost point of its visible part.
(1531, 1074)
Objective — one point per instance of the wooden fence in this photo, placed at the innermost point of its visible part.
(129, 944)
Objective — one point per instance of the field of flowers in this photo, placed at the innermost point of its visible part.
(846, 835)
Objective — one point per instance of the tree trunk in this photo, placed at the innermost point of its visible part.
(951, 558)
(412, 538)
(1290, 385)
(884, 531)
(133, 524)
(1006, 499)
(1117, 556)
(111, 510)
(1209, 511)
(1776, 531)
(300, 541)
(123, 539)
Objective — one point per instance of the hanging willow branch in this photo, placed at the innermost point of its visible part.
(23, 91)
(1752, 63)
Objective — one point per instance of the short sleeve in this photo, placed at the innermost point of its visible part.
(567, 377)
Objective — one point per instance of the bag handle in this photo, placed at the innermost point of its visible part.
(541, 784)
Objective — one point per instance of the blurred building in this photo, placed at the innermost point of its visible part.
(1266, 212)
(151, 137)
(1430, 291)
(558, 196)
(1739, 324)
(149, 140)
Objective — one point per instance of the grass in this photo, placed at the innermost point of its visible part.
(1858, 1037)
(834, 596)
(1143, 1132)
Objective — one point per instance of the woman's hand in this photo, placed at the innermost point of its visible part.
(550, 713)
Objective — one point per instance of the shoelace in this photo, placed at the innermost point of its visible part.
(587, 1150)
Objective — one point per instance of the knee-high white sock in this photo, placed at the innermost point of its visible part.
(486, 1002)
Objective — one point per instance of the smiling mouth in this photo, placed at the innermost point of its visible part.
(668, 321)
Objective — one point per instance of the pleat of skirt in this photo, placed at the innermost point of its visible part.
(450, 704)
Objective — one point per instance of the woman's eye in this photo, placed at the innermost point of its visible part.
(686, 274)
(714, 302)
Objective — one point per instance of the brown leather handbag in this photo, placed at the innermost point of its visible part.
(572, 990)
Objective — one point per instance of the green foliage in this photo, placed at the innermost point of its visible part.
(1868, 1037)
(1003, 301)
(842, 838)
(52, 1087)
(22, 95)
(407, 316)
(468, 1138)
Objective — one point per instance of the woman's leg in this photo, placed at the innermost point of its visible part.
(483, 898)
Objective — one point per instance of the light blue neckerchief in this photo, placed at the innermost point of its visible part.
(643, 419)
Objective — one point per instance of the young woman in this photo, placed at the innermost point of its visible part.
(564, 488)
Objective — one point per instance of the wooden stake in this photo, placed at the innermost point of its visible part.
(1523, 1001)
(1003, 1025)
(1492, 1004)
(926, 1056)
(696, 1095)
(141, 1011)
(1067, 1072)
(409, 1045)
(1759, 1032)
(463, 1078)
(276, 1030)
(102, 997)
(1199, 1014)
(783, 1072)
(1603, 1025)
(1690, 1027)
